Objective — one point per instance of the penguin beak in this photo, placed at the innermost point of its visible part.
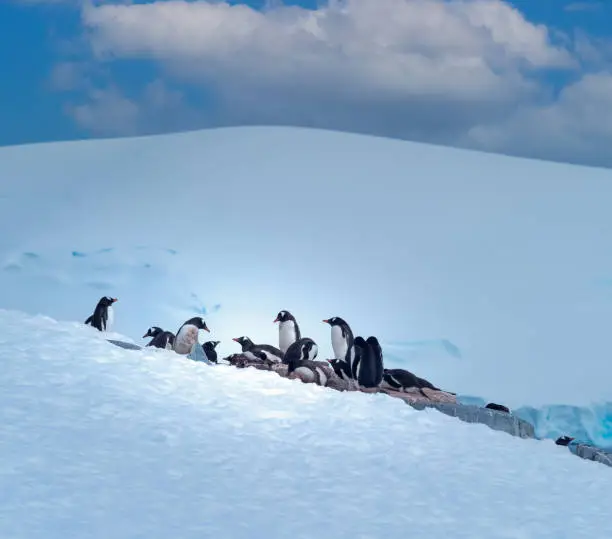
(275, 320)
(326, 321)
(235, 339)
(207, 330)
(115, 299)
(145, 335)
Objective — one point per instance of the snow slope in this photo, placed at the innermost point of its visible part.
(489, 275)
(99, 442)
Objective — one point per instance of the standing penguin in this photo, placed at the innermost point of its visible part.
(161, 338)
(259, 352)
(187, 335)
(288, 330)
(103, 316)
(209, 350)
(369, 370)
(341, 337)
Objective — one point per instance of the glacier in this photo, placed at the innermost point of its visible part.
(487, 274)
(97, 441)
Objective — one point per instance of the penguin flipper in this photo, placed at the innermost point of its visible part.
(89, 320)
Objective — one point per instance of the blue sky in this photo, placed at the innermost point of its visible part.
(526, 77)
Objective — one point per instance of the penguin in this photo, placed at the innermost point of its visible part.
(300, 359)
(288, 330)
(341, 368)
(402, 380)
(564, 440)
(369, 370)
(259, 352)
(498, 407)
(341, 336)
(209, 350)
(161, 338)
(103, 316)
(187, 335)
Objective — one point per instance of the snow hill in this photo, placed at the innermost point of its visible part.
(489, 275)
(100, 442)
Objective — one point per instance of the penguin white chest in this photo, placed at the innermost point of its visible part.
(110, 318)
(187, 336)
(339, 343)
(286, 335)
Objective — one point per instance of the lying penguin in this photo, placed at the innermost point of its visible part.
(404, 381)
(103, 316)
(300, 360)
(160, 338)
(259, 352)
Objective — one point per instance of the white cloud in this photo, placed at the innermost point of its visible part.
(583, 6)
(464, 49)
(577, 126)
(462, 72)
(108, 112)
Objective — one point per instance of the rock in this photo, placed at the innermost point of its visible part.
(425, 395)
(589, 452)
(123, 344)
(475, 414)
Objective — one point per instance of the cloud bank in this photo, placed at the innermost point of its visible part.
(471, 73)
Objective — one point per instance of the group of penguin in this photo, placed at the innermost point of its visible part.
(356, 360)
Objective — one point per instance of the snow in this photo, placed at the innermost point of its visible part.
(486, 274)
(102, 442)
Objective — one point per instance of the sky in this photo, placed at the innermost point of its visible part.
(523, 78)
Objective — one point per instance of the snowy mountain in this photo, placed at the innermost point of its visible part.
(102, 442)
(486, 274)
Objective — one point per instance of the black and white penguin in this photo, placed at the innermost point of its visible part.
(187, 335)
(103, 316)
(288, 330)
(341, 337)
(160, 338)
(259, 352)
(300, 359)
(341, 368)
(368, 367)
(498, 407)
(403, 380)
(209, 350)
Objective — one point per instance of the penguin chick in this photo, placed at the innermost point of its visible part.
(187, 335)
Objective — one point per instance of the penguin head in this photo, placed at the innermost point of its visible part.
(360, 342)
(198, 322)
(284, 316)
(243, 341)
(153, 331)
(106, 301)
(335, 321)
(211, 345)
(309, 349)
